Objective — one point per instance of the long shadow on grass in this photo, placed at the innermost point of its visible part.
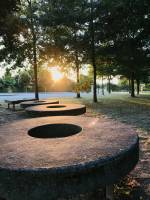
(137, 115)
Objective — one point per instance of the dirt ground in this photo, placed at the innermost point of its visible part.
(137, 185)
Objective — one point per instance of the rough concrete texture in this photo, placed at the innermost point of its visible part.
(38, 102)
(43, 168)
(56, 110)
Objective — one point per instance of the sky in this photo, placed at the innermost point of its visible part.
(2, 71)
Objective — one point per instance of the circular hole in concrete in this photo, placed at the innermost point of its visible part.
(56, 106)
(54, 130)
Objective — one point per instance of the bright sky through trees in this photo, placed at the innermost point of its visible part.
(56, 73)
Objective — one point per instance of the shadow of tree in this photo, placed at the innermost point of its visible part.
(137, 115)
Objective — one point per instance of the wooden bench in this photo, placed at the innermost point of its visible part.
(14, 102)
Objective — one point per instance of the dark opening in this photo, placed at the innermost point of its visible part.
(59, 106)
(54, 130)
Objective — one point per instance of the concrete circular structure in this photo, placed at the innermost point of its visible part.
(56, 110)
(100, 152)
(38, 102)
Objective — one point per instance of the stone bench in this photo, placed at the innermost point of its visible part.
(14, 102)
(57, 157)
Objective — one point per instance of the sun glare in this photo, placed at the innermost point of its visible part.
(56, 74)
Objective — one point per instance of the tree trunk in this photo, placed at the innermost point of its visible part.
(35, 70)
(93, 55)
(77, 70)
(138, 86)
(34, 52)
(103, 86)
(129, 86)
(77, 65)
(132, 85)
(94, 84)
(109, 86)
(78, 80)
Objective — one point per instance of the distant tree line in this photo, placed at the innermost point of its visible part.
(22, 81)
(111, 36)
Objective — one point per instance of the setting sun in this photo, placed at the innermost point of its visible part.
(56, 74)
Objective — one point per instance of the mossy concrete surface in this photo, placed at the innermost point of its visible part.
(49, 168)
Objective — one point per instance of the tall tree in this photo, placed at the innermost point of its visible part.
(24, 47)
(125, 33)
(30, 16)
(93, 55)
(65, 23)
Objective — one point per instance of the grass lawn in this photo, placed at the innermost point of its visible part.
(131, 111)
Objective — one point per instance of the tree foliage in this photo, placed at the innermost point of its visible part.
(112, 36)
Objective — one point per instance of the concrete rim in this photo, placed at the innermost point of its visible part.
(38, 102)
(56, 110)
